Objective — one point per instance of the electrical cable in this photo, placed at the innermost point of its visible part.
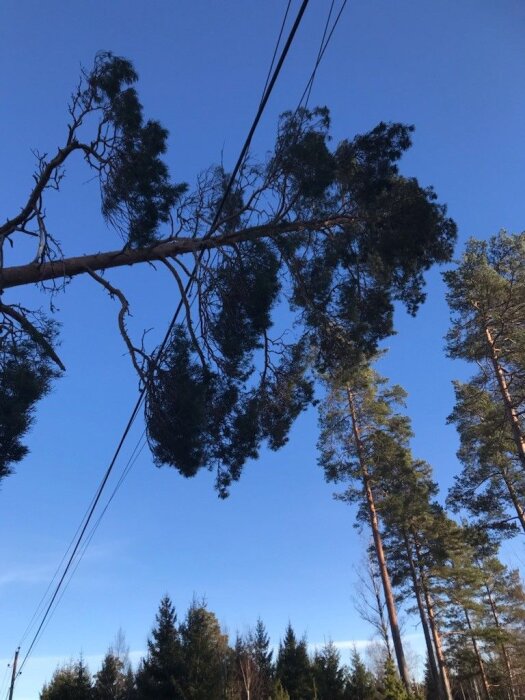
(132, 461)
(158, 356)
(3, 685)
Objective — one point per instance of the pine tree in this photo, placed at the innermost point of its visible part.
(160, 674)
(487, 297)
(491, 485)
(293, 668)
(362, 437)
(341, 237)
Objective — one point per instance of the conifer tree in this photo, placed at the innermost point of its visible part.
(161, 672)
(338, 234)
(487, 298)
(491, 485)
(361, 683)
(112, 681)
(330, 677)
(70, 682)
(361, 437)
(205, 654)
(253, 664)
(263, 657)
(391, 687)
(293, 668)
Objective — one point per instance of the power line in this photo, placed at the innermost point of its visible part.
(326, 37)
(158, 356)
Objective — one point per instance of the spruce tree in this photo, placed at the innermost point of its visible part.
(330, 676)
(293, 668)
(112, 681)
(205, 654)
(70, 682)
(361, 683)
(161, 672)
(391, 687)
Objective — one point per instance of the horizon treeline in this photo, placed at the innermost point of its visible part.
(194, 660)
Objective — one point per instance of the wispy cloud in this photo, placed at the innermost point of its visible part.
(18, 576)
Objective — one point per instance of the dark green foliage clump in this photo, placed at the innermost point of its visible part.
(26, 372)
(196, 417)
(160, 674)
(71, 682)
(293, 668)
(242, 295)
(137, 195)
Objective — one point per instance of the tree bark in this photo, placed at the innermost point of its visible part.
(514, 498)
(510, 409)
(378, 545)
(70, 267)
(502, 645)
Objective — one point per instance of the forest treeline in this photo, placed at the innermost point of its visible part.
(193, 660)
(440, 565)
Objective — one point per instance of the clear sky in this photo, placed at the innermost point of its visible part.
(280, 547)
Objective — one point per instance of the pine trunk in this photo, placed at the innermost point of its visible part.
(481, 665)
(510, 409)
(436, 636)
(378, 545)
(504, 651)
(436, 675)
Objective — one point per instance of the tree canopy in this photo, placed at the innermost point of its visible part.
(336, 233)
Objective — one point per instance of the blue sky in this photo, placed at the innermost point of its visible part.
(280, 547)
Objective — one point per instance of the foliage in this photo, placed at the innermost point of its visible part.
(114, 681)
(293, 668)
(160, 673)
(391, 687)
(329, 676)
(205, 653)
(71, 682)
(487, 297)
(26, 373)
(361, 683)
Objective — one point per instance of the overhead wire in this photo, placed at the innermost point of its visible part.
(158, 356)
(142, 439)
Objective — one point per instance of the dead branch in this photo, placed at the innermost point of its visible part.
(32, 332)
(124, 311)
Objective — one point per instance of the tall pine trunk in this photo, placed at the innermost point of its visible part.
(503, 647)
(510, 409)
(477, 654)
(444, 689)
(436, 636)
(378, 546)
